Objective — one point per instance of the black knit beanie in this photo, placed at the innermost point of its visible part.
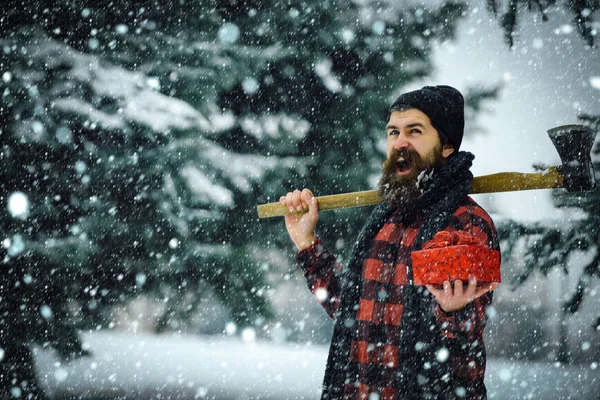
(444, 106)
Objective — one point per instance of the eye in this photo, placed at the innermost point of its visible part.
(415, 132)
(393, 132)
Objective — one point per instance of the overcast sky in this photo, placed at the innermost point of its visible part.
(549, 78)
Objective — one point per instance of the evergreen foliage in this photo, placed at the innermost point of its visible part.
(581, 10)
(548, 247)
(544, 248)
(138, 136)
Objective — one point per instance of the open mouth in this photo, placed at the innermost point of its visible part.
(403, 165)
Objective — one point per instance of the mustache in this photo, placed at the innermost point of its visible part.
(397, 156)
(405, 153)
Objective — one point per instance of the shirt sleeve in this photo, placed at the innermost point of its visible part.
(463, 329)
(469, 322)
(323, 275)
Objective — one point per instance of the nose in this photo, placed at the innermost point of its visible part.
(400, 142)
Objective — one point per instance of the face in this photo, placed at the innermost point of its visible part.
(412, 129)
(413, 147)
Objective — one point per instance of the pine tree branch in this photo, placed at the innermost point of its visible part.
(542, 8)
(592, 269)
(593, 121)
(582, 18)
(492, 6)
(508, 22)
(582, 11)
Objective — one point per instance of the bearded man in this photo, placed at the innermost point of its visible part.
(393, 339)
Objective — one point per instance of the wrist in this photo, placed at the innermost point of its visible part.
(305, 243)
(448, 313)
(451, 309)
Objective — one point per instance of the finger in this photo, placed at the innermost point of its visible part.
(297, 200)
(447, 288)
(282, 200)
(472, 287)
(313, 206)
(458, 287)
(293, 200)
(289, 201)
(306, 197)
(311, 201)
(435, 292)
(486, 288)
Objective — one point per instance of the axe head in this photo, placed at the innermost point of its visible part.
(574, 146)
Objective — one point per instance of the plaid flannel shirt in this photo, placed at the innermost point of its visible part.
(383, 285)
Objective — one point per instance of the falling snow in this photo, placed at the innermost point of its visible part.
(229, 33)
(18, 205)
(138, 138)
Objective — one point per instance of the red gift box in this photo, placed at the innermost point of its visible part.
(447, 258)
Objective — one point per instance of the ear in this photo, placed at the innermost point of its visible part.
(447, 150)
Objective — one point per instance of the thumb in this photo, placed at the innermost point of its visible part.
(313, 206)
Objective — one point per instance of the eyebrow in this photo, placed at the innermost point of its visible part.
(387, 128)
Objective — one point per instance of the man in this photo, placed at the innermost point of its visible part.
(392, 339)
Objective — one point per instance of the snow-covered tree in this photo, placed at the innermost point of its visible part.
(546, 248)
(138, 136)
(582, 12)
(111, 189)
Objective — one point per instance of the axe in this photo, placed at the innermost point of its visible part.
(573, 144)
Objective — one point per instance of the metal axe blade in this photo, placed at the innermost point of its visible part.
(574, 145)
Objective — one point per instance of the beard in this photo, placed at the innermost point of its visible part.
(400, 190)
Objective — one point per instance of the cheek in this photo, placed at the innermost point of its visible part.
(426, 148)
(389, 147)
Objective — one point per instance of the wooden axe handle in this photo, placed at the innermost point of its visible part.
(494, 183)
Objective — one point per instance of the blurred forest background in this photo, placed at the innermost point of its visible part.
(138, 137)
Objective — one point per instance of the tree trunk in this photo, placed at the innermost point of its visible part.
(563, 346)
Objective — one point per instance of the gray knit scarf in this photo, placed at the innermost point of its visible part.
(445, 192)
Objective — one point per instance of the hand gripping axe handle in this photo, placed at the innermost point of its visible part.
(572, 142)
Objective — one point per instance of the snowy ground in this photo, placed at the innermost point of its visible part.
(144, 366)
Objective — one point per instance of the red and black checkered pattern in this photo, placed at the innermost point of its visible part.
(375, 353)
